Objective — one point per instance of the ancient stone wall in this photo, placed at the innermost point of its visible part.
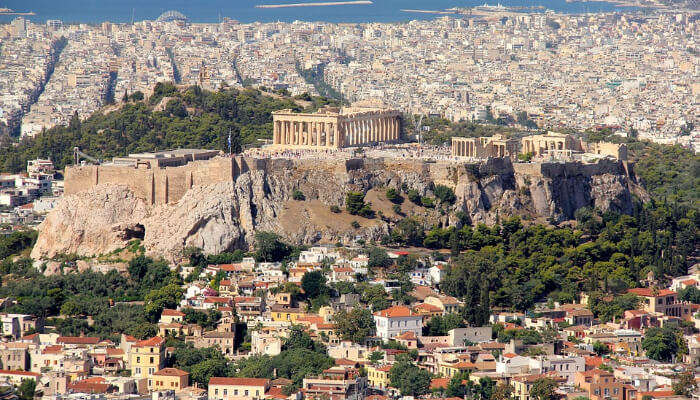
(155, 186)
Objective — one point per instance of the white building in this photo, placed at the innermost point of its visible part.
(396, 320)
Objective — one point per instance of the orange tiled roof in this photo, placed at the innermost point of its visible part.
(171, 372)
(172, 313)
(438, 383)
(77, 340)
(395, 312)
(152, 342)
(647, 292)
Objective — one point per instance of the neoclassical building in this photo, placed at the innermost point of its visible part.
(332, 127)
(550, 144)
(484, 147)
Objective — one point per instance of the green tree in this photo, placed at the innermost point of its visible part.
(445, 194)
(661, 344)
(409, 379)
(356, 325)
(166, 297)
(298, 195)
(684, 384)
(375, 356)
(393, 196)
(600, 348)
(270, 248)
(26, 389)
(314, 284)
(544, 389)
(354, 202)
(378, 258)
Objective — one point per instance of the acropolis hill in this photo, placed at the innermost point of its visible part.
(210, 200)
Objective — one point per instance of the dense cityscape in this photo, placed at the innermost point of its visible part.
(492, 204)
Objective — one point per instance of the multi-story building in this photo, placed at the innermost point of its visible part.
(601, 385)
(396, 320)
(335, 383)
(663, 301)
(147, 357)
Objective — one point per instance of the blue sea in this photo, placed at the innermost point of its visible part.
(96, 11)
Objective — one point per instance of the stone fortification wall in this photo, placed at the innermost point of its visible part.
(154, 186)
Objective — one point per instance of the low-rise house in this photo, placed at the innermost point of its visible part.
(237, 388)
(378, 376)
(264, 342)
(169, 316)
(523, 384)
(447, 304)
(579, 317)
(170, 379)
(16, 377)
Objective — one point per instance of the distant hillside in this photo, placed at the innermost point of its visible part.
(189, 117)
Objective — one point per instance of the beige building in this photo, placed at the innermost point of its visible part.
(332, 127)
(170, 379)
(549, 144)
(484, 147)
(237, 388)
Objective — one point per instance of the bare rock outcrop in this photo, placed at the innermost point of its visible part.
(225, 215)
(93, 222)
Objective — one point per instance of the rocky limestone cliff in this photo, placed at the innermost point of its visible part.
(226, 215)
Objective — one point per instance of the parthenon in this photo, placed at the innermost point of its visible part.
(333, 127)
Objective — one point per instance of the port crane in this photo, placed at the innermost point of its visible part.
(77, 154)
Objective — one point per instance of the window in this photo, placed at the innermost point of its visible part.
(607, 392)
(246, 392)
(235, 392)
(216, 392)
(138, 359)
(225, 392)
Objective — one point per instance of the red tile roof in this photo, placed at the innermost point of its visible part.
(23, 373)
(77, 340)
(438, 383)
(152, 342)
(171, 372)
(172, 313)
(647, 292)
(395, 312)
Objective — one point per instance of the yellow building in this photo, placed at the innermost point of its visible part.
(378, 376)
(523, 384)
(286, 314)
(170, 379)
(450, 370)
(147, 357)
